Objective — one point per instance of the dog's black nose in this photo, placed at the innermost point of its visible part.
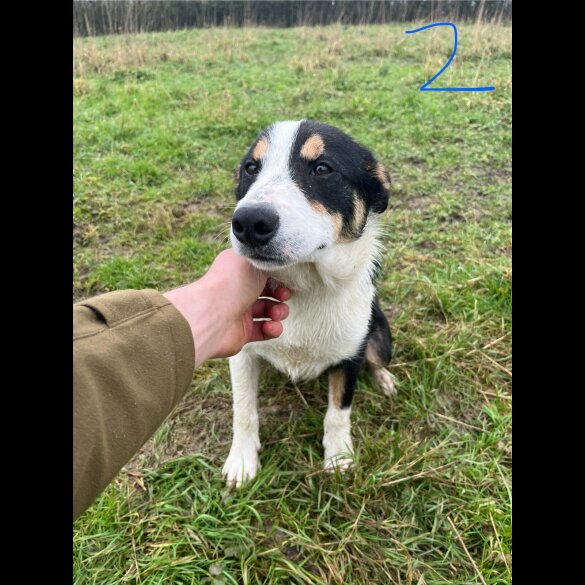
(255, 226)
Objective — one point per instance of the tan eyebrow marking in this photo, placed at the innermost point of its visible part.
(260, 149)
(313, 147)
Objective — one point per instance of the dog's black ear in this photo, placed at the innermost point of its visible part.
(380, 186)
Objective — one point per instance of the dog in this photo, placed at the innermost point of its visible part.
(309, 199)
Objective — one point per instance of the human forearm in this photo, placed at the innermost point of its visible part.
(133, 360)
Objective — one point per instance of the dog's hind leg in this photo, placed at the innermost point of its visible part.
(379, 350)
(337, 425)
(242, 462)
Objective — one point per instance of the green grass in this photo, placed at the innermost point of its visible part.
(161, 121)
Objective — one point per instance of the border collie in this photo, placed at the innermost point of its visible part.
(309, 198)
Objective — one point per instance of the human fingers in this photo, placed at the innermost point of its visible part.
(263, 308)
(271, 329)
(264, 330)
(280, 293)
(276, 311)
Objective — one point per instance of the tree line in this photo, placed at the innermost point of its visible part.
(98, 17)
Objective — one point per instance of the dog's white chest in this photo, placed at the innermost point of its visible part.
(321, 330)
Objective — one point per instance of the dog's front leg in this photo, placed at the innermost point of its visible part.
(337, 437)
(242, 462)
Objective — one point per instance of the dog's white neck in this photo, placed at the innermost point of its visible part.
(334, 268)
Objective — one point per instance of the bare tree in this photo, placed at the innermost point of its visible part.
(98, 17)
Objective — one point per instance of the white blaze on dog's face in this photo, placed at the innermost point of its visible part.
(304, 187)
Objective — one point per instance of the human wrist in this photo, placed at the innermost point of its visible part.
(195, 302)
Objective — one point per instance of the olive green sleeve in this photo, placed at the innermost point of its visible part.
(133, 361)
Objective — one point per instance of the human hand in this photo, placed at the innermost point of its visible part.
(221, 307)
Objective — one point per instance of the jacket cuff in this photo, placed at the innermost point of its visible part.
(114, 308)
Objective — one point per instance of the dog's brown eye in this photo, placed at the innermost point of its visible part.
(252, 168)
(322, 169)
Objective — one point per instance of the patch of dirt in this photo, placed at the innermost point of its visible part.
(77, 233)
(454, 216)
(78, 295)
(420, 429)
(193, 427)
(202, 204)
(474, 212)
(276, 538)
(485, 174)
(503, 174)
(427, 245)
(86, 234)
(418, 202)
(202, 422)
(415, 160)
(159, 216)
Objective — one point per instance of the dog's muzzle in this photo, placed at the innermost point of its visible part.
(255, 225)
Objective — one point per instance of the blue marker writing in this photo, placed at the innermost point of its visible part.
(424, 86)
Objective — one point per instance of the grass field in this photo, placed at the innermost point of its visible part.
(160, 123)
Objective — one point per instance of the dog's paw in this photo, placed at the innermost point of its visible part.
(340, 461)
(241, 465)
(338, 451)
(386, 381)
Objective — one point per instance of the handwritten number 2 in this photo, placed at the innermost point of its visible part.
(425, 86)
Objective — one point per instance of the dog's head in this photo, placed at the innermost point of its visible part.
(304, 187)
